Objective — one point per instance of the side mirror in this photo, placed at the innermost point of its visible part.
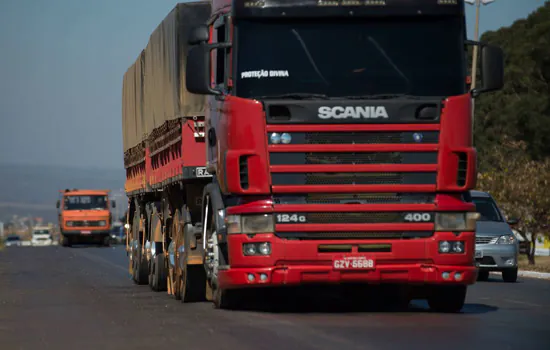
(197, 70)
(57, 204)
(492, 68)
(113, 204)
(513, 221)
(199, 35)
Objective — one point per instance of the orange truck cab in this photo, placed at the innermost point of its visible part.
(85, 216)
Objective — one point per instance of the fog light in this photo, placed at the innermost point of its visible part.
(263, 277)
(458, 276)
(444, 247)
(250, 277)
(458, 247)
(445, 275)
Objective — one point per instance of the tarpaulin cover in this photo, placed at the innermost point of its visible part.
(154, 86)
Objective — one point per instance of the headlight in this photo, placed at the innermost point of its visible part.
(262, 223)
(456, 221)
(263, 248)
(69, 223)
(102, 223)
(506, 239)
(451, 247)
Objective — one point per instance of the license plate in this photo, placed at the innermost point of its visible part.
(353, 263)
(202, 172)
(479, 254)
(85, 232)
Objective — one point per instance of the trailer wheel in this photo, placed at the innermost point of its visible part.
(141, 268)
(159, 279)
(447, 299)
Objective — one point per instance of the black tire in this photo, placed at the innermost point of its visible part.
(510, 275)
(66, 241)
(160, 274)
(106, 241)
(483, 276)
(228, 299)
(141, 269)
(193, 284)
(447, 299)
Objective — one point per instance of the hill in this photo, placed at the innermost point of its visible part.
(33, 189)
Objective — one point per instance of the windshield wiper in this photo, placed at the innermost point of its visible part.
(379, 97)
(296, 96)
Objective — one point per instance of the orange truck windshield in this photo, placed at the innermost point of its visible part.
(95, 202)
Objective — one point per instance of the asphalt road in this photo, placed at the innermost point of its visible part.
(83, 298)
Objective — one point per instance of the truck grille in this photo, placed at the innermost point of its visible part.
(328, 138)
(86, 223)
(355, 235)
(356, 198)
(427, 178)
(357, 217)
(381, 167)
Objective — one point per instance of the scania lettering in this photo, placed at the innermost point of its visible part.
(352, 112)
(322, 170)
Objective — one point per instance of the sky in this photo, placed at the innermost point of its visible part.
(61, 69)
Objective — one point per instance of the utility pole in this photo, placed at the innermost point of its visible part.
(477, 4)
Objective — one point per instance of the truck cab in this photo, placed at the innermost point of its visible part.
(85, 216)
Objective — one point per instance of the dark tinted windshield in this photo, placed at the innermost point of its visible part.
(13, 238)
(85, 203)
(488, 209)
(41, 232)
(422, 57)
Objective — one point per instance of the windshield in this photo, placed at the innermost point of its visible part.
(41, 232)
(98, 202)
(12, 238)
(421, 57)
(488, 209)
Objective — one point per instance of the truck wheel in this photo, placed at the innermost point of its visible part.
(66, 241)
(159, 277)
(510, 275)
(448, 299)
(483, 276)
(193, 283)
(106, 241)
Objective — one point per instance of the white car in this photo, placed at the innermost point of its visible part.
(41, 236)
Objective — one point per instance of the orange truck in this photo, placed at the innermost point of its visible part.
(85, 216)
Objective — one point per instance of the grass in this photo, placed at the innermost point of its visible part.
(542, 264)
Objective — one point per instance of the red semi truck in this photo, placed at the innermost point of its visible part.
(282, 143)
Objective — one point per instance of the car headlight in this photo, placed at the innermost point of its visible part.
(506, 239)
(69, 223)
(102, 223)
(262, 223)
(456, 221)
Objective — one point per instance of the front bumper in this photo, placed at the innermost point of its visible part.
(296, 262)
(41, 243)
(86, 233)
(497, 257)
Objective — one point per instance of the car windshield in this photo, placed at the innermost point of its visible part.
(487, 208)
(353, 57)
(13, 238)
(97, 202)
(41, 232)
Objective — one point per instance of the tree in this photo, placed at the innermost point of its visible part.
(521, 187)
(521, 110)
